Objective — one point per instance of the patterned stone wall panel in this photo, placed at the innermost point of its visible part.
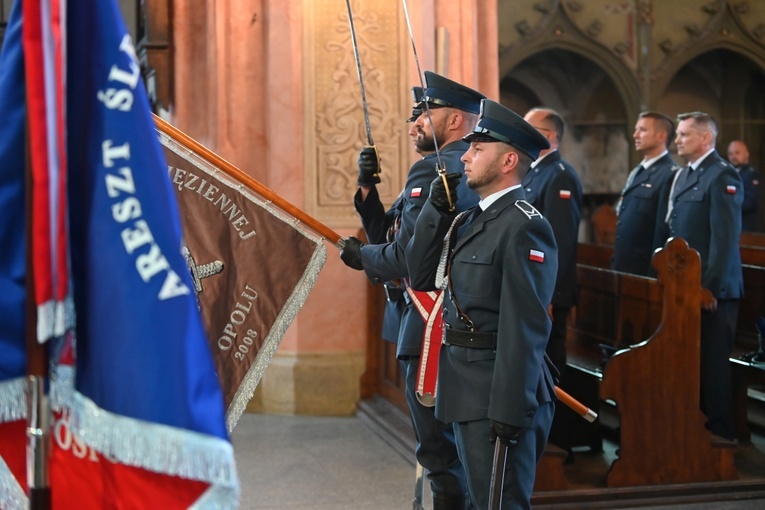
(335, 129)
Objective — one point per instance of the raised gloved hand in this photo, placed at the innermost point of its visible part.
(369, 166)
(439, 194)
(351, 253)
(508, 434)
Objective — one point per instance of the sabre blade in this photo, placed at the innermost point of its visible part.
(497, 475)
(440, 167)
(358, 70)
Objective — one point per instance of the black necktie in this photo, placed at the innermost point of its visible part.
(470, 219)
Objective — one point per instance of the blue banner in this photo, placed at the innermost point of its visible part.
(12, 233)
(141, 347)
(145, 391)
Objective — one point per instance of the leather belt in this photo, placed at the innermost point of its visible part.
(471, 339)
(394, 293)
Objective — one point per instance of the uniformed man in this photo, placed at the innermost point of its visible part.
(645, 196)
(738, 155)
(379, 225)
(453, 110)
(498, 263)
(553, 188)
(705, 210)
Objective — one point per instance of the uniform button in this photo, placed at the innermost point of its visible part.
(377, 278)
(474, 257)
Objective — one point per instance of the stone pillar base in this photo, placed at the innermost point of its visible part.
(325, 384)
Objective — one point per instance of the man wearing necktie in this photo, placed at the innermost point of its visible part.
(450, 113)
(645, 197)
(705, 210)
(553, 187)
(493, 382)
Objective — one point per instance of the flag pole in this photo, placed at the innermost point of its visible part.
(245, 179)
(38, 403)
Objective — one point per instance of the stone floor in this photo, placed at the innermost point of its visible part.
(318, 463)
(321, 463)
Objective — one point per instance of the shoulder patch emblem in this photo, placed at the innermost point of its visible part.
(537, 256)
(527, 209)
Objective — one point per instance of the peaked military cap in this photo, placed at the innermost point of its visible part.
(441, 91)
(497, 123)
(417, 93)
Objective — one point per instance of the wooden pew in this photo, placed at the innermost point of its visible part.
(656, 389)
(750, 307)
(622, 311)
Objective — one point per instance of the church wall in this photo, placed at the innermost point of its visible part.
(271, 86)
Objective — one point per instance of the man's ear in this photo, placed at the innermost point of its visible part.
(707, 138)
(509, 161)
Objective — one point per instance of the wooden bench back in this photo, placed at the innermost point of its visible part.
(627, 327)
(655, 385)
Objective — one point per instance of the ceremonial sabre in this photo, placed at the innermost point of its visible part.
(440, 168)
(370, 142)
(497, 474)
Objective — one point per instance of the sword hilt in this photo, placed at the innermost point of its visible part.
(442, 172)
(377, 155)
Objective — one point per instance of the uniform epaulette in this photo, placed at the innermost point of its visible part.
(561, 166)
(527, 209)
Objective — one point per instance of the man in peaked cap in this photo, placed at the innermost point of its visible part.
(417, 94)
(449, 112)
(498, 263)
